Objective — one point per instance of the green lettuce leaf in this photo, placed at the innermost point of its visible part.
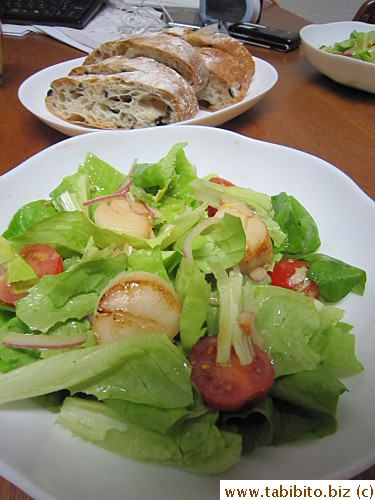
(334, 278)
(148, 260)
(27, 215)
(294, 220)
(196, 445)
(165, 184)
(148, 369)
(154, 418)
(11, 358)
(335, 344)
(223, 242)
(69, 233)
(71, 294)
(194, 292)
(257, 425)
(299, 406)
(306, 403)
(93, 178)
(19, 273)
(156, 178)
(288, 320)
(300, 332)
(153, 372)
(176, 230)
(260, 203)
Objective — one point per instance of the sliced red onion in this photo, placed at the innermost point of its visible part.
(152, 211)
(42, 341)
(138, 208)
(258, 274)
(104, 198)
(125, 185)
(119, 193)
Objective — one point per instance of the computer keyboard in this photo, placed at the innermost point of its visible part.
(68, 13)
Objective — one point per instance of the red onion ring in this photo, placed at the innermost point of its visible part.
(42, 341)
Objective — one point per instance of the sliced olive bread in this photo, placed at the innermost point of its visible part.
(146, 94)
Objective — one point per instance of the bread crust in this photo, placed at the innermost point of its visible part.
(226, 43)
(244, 60)
(149, 94)
(175, 53)
(110, 66)
(231, 66)
(227, 83)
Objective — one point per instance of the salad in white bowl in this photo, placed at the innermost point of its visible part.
(173, 318)
(356, 72)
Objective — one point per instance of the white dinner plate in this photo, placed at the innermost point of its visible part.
(345, 70)
(42, 458)
(33, 91)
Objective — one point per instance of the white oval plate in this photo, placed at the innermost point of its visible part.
(33, 91)
(346, 70)
(44, 460)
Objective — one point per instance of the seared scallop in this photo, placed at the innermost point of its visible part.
(136, 303)
(129, 217)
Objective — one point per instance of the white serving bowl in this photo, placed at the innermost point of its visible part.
(344, 70)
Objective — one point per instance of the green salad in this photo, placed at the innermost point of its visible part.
(359, 45)
(174, 319)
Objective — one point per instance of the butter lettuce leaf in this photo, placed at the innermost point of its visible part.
(300, 332)
(27, 215)
(196, 444)
(194, 292)
(69, 233)
(299, 407)
(223, 242)
(334, 277)
(147, 369)
(288, 320)
(19, 273)
(93, 178)
(260, 203)
(302, 235)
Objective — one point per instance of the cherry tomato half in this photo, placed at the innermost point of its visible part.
(7, 295)
(229, 388)
(43, 258)
(211, 211)
(286, 275)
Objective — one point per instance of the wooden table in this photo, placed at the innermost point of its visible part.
(305, 110)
